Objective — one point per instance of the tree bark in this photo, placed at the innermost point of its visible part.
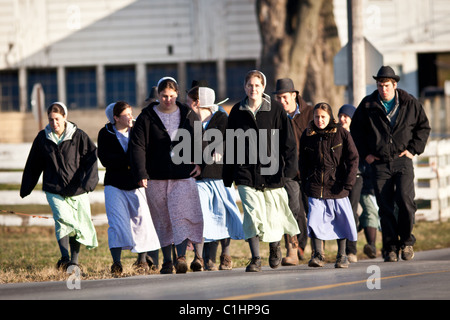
(299, 41)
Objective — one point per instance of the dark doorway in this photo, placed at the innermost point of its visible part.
(434, 70)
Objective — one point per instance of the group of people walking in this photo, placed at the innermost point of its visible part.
(297, 170)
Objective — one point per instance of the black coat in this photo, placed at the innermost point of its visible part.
(374, 135)
(271, 116)
(301, 121)
(218, 121)
(328, 162)
(115, 160)
(70, 168)
(151, 148)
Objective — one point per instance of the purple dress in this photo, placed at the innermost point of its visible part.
(330, 219)
(175, 204)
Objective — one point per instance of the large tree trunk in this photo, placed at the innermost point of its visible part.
(299, 41)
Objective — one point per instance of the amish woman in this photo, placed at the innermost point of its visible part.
(328, 166)
(221, 215)
(68, 158)
(170, 184)
(260, 183)
(130, 224)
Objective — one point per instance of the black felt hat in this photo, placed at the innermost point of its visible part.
(386, 72)
(284, 85)
(153, 96)
(199, 83)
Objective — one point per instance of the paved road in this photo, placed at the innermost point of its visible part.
(425, 277)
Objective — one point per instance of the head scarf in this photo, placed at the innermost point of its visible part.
(262, 75)
(166, 78)
(110, 112)
(207, 96)
(62, 106)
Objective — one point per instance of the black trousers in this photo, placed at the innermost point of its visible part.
(394, 189)
(354, 197)
(298, 203)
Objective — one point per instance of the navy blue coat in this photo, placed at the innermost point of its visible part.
(115, 160)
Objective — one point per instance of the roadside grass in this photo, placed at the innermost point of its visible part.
(39, 209)
(30, 253)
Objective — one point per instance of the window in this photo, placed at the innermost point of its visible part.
(423, 183)
(81, 88)
(120, 84)
(201, 71)
(423, 204)
(156, 71)
(48, 79)
(9, 91)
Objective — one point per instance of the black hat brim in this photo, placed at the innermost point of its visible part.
(281, 91)
(396, 78)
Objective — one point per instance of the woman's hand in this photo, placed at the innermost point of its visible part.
(196, 172)
(143, 183)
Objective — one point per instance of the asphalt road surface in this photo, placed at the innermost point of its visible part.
(426, 277)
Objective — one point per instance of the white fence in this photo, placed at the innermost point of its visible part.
(432, 179)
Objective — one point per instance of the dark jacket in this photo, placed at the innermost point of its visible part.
(328, 162)
(301, 121)
(70, 168)
(374, 135)
(252, 173)
(151, 148)
(115, 160)
(365, 171)
(218, 121)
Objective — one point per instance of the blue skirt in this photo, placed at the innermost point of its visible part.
(221, 216)
(331, 219)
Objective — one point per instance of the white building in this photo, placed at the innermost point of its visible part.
(90, 53)
(412, 35)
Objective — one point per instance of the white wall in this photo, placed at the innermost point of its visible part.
(400, 29)
(52, 33)
(67, 33)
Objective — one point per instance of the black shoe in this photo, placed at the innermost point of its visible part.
(197, 264)
(62, 263)
(370, 251)
(225, 262)
(210, 266)
(167, 268)
(391, 256)
(317, 260)
(181, 265)
(151, 264)
(407, 253)
(73, 267)
(254, 265)
(341, 261)
(141, 267)
(275, 256)
(116, 269)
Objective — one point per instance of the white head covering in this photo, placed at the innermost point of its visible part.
(166, 78)
(110, 112)
(262, 75)
(62, 106)
(206, 97)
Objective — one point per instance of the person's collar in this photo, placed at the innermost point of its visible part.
(265, 104)
(296, 112)
(67, 134)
